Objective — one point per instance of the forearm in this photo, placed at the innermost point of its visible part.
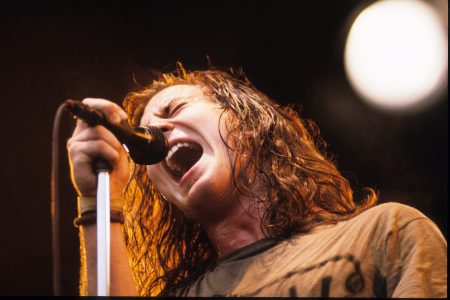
(121, 279)
(86, 145)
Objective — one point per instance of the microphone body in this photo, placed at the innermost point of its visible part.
(146, 146)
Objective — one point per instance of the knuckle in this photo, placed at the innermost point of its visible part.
(74, 152)
(112, 109)
(97, 146)
(69, 142)
(116, 156)
(72, 146)
(76, 160)
(89, 101)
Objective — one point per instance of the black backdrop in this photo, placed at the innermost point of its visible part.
(291, 50)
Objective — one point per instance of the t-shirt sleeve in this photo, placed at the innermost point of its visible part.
(417, 264)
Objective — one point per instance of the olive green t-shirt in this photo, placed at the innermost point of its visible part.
(391, 250)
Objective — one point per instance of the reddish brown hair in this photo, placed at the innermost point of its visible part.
(284, 153)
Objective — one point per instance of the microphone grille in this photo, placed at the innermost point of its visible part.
(155, 148)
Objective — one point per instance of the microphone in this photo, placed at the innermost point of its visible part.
(146, 146)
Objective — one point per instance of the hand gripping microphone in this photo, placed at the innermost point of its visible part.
(146, 146)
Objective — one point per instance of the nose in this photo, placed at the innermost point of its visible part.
(164, 127)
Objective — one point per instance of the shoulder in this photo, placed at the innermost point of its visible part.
(392, 212)
(397, 220)
(406, 245)
(379, 220)
(395, 208)
(386, 221)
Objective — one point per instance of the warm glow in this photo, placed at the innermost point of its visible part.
(396, 54)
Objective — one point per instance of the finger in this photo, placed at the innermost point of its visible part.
(113, 112)
(85, 152)
(79, 126)
(96, 133)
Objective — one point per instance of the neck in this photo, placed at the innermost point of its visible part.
(239, 228)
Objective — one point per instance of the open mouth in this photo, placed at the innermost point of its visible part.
(182, 157)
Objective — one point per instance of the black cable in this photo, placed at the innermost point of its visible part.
(56, 253)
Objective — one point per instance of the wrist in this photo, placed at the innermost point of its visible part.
(90, 218)
(86, 204)
(87, 211)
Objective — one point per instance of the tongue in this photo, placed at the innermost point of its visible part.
(184, 159)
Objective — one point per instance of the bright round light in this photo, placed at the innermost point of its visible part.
(396, 54)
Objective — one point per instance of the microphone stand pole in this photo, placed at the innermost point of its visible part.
(103, 228)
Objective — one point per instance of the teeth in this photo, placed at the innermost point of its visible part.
(175, 148)
(174, 167)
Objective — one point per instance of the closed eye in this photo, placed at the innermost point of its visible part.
(175, 108)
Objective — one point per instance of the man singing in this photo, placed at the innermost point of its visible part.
(246, 203)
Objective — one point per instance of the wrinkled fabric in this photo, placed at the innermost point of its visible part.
(390, 250)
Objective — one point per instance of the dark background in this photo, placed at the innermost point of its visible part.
(291, 50)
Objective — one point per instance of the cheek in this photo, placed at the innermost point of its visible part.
(161, 183)
(153, 173)
(150, 171)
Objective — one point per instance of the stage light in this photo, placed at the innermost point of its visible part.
(396, 54)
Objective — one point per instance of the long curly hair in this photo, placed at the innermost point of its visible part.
(283, 152)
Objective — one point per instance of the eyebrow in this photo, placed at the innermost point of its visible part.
(165, 109)
(163, 112)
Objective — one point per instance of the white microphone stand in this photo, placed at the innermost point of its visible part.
(103, 230)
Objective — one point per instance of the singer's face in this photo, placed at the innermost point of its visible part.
(196, 175)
